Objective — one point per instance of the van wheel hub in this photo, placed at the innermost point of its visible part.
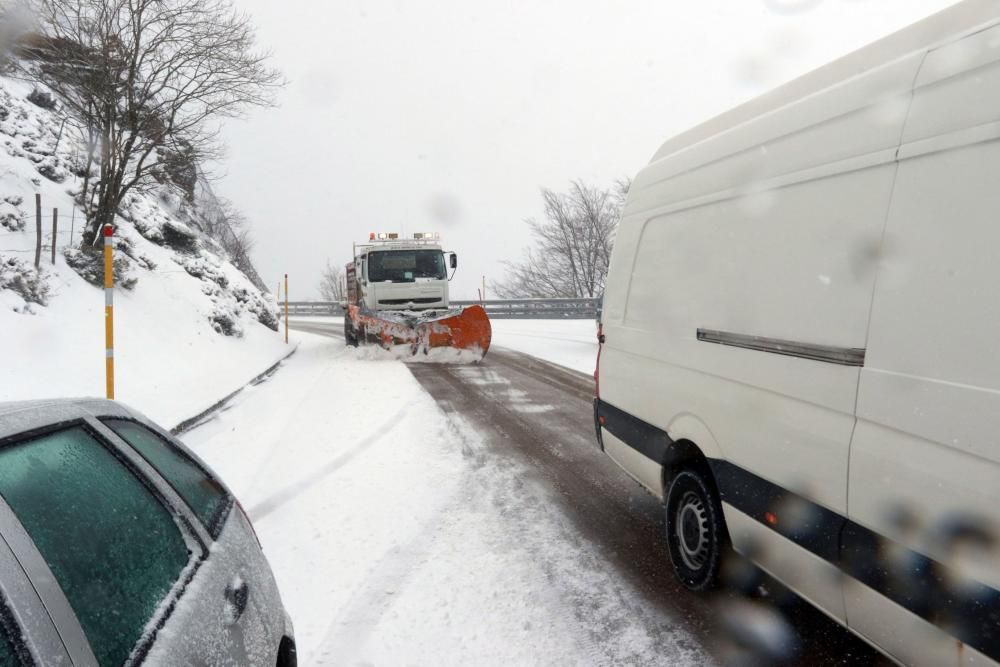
(692, 531)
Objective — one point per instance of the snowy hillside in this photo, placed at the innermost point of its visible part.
(190, 327)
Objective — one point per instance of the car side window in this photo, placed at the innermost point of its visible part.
(205, 496)
(114, 548)
(8, 657)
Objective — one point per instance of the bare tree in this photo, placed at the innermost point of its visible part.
(148, 80)
(331, 284)
(572, 245)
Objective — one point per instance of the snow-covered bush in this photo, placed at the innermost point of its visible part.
(89, 265)
(259, 305)
(11, 216)
(42, 99)
(23, 279)
(124, 244)
(178, 237)
(201, 268)
(226, 322)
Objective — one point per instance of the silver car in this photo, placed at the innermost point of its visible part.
(118, 546)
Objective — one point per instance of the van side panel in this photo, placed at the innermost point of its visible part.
(770, 229)
(726, 266)
(925, 460)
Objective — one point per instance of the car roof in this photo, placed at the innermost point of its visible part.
(23, 416)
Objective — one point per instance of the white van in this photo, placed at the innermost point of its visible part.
(801, 339)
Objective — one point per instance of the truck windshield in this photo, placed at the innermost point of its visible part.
(406, 265)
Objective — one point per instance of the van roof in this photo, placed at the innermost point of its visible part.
(963, 18)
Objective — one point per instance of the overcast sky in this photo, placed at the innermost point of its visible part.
(450, 115)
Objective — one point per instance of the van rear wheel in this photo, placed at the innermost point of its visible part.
(695, 530)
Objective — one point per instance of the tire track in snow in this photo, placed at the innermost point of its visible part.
(273, 502)
(350, 629)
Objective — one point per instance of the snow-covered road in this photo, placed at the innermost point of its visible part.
(399, 536)
(437, 514)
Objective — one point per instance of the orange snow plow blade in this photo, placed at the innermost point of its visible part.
(466, 329)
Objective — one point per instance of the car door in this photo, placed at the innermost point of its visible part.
(27, 634)
(108, 556)
(230, 593)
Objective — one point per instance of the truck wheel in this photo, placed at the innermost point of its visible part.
(696, 533)
(350, 335)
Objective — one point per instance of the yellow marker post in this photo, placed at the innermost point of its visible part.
(109, 309)
(286, 309)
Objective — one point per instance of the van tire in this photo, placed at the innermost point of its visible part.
(696, 532)
(287, 655)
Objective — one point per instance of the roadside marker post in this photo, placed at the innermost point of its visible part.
(286, 309)
(109, 320)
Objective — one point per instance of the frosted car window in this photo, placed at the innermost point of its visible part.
(8, 658)
(204, 495)
(113, 548)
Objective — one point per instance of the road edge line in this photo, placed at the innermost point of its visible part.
(189, 423)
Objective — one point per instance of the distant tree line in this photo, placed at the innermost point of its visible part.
(572, 244)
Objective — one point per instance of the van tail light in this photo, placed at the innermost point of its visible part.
(249, 522)
(597, 366)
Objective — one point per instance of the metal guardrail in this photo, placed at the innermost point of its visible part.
(539, 309)
(314, 308)
(498, 309)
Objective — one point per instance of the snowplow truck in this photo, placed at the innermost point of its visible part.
(397, 294)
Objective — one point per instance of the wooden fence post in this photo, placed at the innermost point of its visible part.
(55, 230)
(38, 229)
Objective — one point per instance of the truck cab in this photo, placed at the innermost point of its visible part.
(400, 274)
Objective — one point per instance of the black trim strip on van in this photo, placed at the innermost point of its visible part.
(962, 607)
(845, 356)
(648, 440)
(809, 525)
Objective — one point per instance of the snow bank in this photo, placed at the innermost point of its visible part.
(569, 343)
(172, 359)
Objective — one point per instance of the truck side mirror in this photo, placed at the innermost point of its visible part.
(454, 261)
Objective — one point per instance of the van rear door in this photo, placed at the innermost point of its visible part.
(922, 544)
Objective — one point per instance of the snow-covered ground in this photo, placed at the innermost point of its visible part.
(398, 538)
(168, 363)
(569, 343)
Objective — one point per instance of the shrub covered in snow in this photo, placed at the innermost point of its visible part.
(42, 99)
(200, 267)
(178, 237)
(11, 216)
(23, 279)
(226, 322)
(89, 265)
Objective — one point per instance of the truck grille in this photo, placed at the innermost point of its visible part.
(400, 302)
